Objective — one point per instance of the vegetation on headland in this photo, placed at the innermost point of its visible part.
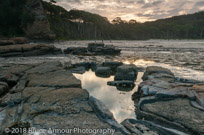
(14, 17)
(77, 24)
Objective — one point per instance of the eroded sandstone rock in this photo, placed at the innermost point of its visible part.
(157, 70)
(169, 102)
(103, 71)
(61, 78)
(25, 50)
(50, 98)
(126, 72)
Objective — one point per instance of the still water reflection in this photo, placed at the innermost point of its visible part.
(118, 102)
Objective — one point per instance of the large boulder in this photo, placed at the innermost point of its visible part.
(121, 83)
(103, 71)
(156, 70)
(126, 72)
(95, 47)
(78, 70)
(112, 65)
(111, 50)
(130, 76)
(76, 50)
(125, 86)
(127, 68)
(86, 65)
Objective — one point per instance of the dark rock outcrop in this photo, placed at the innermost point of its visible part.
(168, 102)
(25, 50)
(12, 41)
(142, 127)
(112, 65)
(103, 71)
(76, 50)
(93, 49)
(126, 72)
(79, 70)
(40, 28)
(157, 70)
(122, 85)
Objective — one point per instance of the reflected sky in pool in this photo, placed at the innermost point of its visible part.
(118, 102)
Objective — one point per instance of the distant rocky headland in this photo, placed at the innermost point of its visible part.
(40, 20)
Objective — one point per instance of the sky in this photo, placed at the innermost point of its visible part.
(140, 10)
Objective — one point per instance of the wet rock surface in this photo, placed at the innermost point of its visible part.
(126, 72)
(93, 49)
(48, 96)
(12, 41)
(103, 71)
(79, 70)
(25, 50)
(76, 50)
(165, 100)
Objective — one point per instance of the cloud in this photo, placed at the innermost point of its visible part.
(140, 10)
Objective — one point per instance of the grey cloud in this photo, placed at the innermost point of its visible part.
(152, 4)
(200, 3)
(144, 15)
(134, 9)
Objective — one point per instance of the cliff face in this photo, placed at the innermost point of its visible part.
(76, 24)
(40, 28)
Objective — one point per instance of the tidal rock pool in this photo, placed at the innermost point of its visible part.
(119, 102)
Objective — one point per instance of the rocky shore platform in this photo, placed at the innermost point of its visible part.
(12, 41)
(20, 47)
(47, 95)
(25, 50)
(170, 102)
